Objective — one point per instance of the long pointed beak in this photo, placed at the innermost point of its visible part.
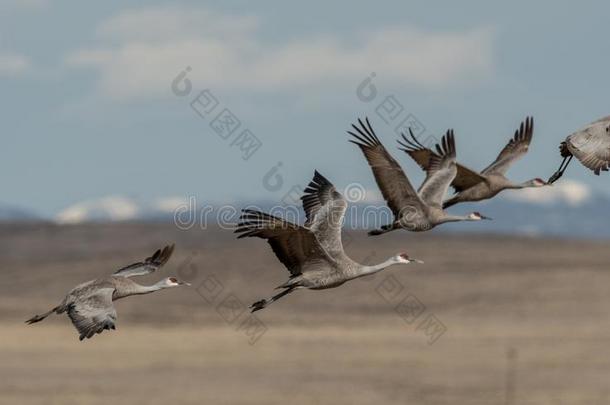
(417, 261)
(185, 283)
(487, 218)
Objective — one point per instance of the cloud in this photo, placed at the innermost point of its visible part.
(12, 64)
(143, 50)
(569, 192)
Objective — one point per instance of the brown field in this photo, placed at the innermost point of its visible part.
(525, 321)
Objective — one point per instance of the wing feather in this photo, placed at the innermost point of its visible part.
(325, 208)
(440, 171)
(516, 148)
(149, 265)
(591, 145)
(465, 177)
(391, 180)
(93, 313)
(295, 246)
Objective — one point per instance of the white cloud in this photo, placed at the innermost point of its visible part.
(570, 192)
(166, 23)
(113, 208)
(12, 64)
(145, 49)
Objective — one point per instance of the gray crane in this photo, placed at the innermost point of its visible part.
(590, 145)
(312, 253)
(89, 305)
(413, 211)
(472, 186)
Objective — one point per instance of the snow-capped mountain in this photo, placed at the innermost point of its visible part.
(119, 208)
(11, 213)
(567, 209)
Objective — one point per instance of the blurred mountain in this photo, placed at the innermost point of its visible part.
(11, 213)
(567, 209)
(119, 208)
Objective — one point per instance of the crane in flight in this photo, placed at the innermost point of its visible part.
(312, 253)
(590, 145)
(89, 305)
(470, 185)
(419, 210)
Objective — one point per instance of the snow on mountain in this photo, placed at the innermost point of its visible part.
(119, 208)
(567, 209)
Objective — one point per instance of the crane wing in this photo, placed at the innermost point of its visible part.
(591, 147)
(440, 171)
(93, 313)
(149, 265)
(295, 246)
(465, 177)
(325, 209)
(391, 180)
(516, 148)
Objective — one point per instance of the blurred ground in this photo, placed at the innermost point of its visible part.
(511, 321)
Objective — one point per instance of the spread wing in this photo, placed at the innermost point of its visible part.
(465, 177)
(325, 209)
(391, 180)
(440, 171)
(93, 313)
(591, 147)
(295, 246)
(149, 265)
(516, 148)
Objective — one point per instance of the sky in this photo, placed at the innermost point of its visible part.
(94, 104)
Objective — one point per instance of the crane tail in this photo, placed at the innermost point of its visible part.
(258, 305)
(38, 318)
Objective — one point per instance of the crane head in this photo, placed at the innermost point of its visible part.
(538, 182)
(174, 282)
(477, 216)
(404, 258)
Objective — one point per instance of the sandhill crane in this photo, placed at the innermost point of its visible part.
(313, 253)
(472, 186)
(89, 305)
(590, 145)
(414, 211)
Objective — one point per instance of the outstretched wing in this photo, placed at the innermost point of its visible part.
(93, 313)
(516, 147)
(294, 245)
(391, 180)
(149, 265)
(325, 209)
(591, 145)
(465, 177)
(440, 171)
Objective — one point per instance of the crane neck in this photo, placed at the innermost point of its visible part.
(455, 218)
(147, 289)
(518, 186)
(367, 270)
(525, 184)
